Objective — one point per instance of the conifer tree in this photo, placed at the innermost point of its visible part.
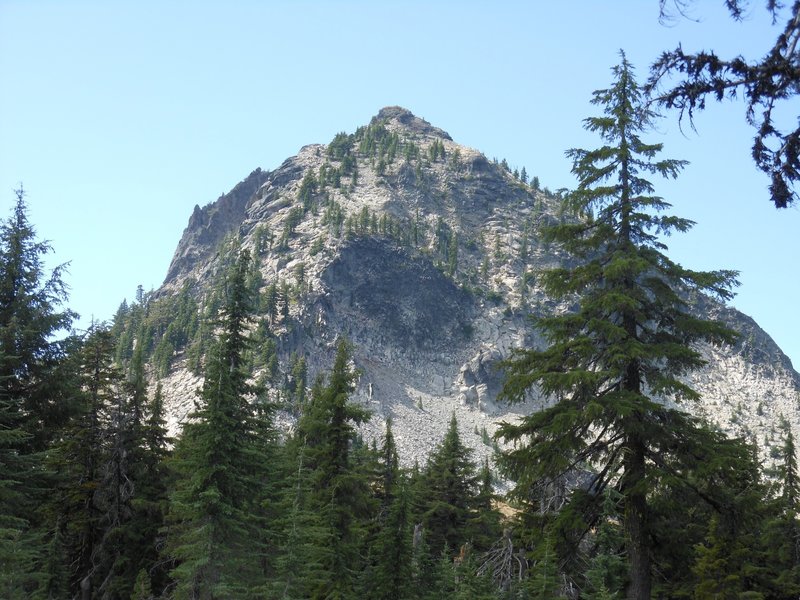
(423, 567)
(720, 564)
(393, 549)
(338, 493)
(483, 528)
(151, 499)
(214, 534)
(613, 363)
(301, 533)
(452, 254)
(390, 467)
(448, 492)
(30, 317)
(544, 581)
(79, 506)
(33, 392)
(606, 573)
(782, 530)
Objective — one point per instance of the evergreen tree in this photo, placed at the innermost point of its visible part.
(611, 364)
(142, 588)
(782, 530)
(544, 581)
(33, 389)
(788, 476)
(151, 500)
(390, 467)
(423, 567)
(30, 317)
(720, 565)
(452, 254)
(448, 492)
(605, 576)
(483, 528)
(299, 372)
(763, 83)
(393, 549)
(19, 549)
(79, 506)
(302, 534)
(338, 493)
(214, 533)
(116, 562)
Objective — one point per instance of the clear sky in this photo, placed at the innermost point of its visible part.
(120, 116)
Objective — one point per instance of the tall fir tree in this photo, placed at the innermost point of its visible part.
(30, 319)
(448, 492)
(484, 527)
(32, 394)
(214, 534)
(151, 500)
(339, 493)
(614, 365)
(782, 530)
(85, 464)
(392, 549)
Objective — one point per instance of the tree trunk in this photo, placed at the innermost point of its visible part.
(636, 522)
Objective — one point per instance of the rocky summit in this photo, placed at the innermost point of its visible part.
(423, 253)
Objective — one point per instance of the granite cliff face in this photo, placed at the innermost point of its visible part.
(423, 252)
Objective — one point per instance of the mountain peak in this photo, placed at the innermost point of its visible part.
(420, 252)
(404, 118)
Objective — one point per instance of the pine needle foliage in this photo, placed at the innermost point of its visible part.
(214, 525)
(614, 364)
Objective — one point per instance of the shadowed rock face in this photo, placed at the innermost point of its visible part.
(384, 295)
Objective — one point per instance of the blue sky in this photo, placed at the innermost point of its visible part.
(119, 117)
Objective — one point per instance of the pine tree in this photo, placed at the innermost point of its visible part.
(423, 567)
(544, 581)
(19, 550)
(214, 533)
(393, 549)
(483, 528)
(782, 530)
(30, 317)
(33, 391)
(719, 565)
(338, 493)
(151, 500)
(299, 372)
(79, 506)
(611, 363)
(452, 254)
(448, 492)
(301, 532)
(390, 467)
(142, 588)
(606, 573)
(132, 493)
